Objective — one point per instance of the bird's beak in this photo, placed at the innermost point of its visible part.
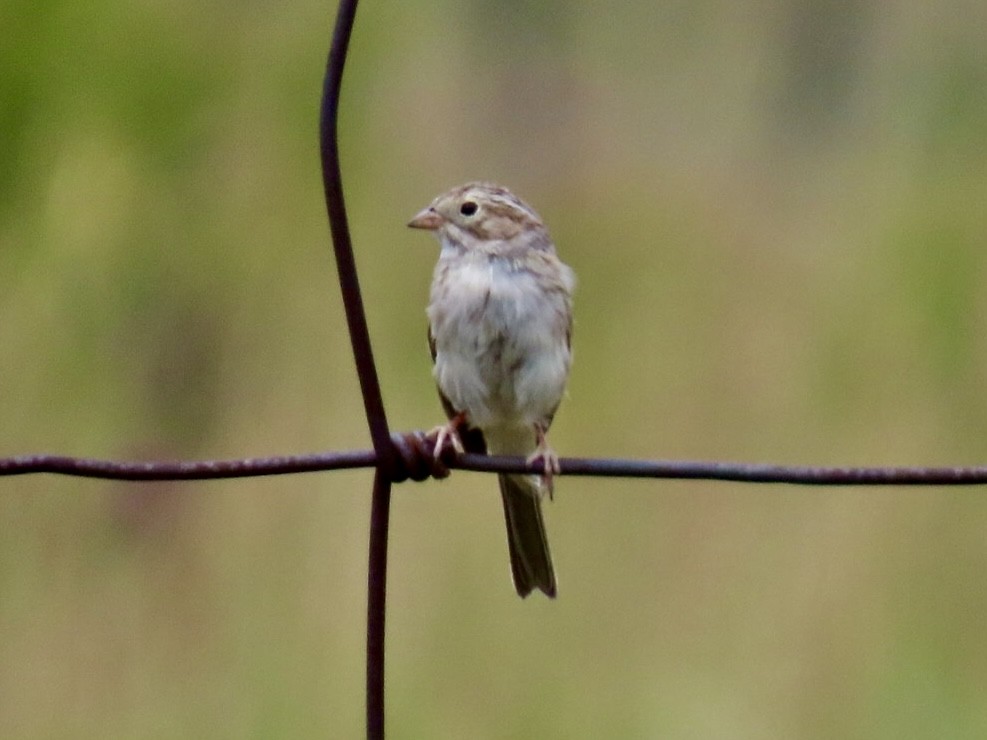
(426, 218)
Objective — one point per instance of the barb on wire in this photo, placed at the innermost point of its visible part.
(416, 461)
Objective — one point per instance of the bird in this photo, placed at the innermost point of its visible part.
(499, 331)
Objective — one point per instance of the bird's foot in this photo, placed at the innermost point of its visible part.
(549, 461)
(448, 433)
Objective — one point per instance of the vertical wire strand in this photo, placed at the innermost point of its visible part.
(356, 319)
(376, 598)
(373, 402)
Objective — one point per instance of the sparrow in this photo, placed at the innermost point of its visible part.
(500, 329)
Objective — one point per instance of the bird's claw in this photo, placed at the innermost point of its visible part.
(448, 433)
(549, 462)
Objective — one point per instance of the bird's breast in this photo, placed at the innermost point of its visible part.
(501, 349)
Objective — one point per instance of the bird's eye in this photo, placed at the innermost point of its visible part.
(468, 208)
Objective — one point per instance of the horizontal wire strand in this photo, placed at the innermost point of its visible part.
(420, 453)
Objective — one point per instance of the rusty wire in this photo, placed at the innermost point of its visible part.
(415, 462)
(409, 456)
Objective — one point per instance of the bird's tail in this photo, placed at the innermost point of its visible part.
(531, 561)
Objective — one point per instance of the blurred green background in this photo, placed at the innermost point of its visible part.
(777, 214)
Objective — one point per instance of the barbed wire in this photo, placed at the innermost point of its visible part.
(410, 456)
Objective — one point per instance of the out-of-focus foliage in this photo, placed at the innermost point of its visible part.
(777, 214)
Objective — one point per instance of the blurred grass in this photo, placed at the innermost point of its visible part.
(776, 212)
